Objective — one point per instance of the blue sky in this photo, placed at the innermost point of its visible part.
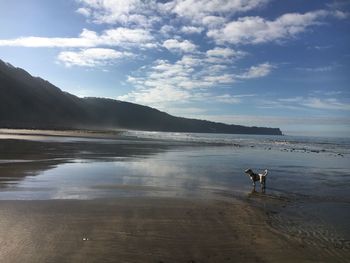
(254, 62)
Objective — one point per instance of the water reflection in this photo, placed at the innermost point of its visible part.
(163, 174)
(87, 171)
(22, 158)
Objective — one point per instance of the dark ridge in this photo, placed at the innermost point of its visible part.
(34, 103)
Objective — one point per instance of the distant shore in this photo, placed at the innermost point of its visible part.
(68, 132)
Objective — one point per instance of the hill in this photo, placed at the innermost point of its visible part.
(31, 102)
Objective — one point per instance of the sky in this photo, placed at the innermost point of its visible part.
(265, 63)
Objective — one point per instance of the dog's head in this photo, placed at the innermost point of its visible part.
(249, 171)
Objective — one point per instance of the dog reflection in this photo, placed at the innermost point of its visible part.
(253, 192)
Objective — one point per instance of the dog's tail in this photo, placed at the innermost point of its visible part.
(265, 172)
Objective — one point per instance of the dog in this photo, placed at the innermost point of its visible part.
(257, 177)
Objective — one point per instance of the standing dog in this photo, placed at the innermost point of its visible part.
(257, 177)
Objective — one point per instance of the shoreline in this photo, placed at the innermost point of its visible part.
(80, 133)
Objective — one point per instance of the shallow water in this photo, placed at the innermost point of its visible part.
(187, 171)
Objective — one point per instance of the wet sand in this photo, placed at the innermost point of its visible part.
(144, 230)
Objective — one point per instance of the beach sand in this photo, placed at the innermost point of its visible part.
(143, 230)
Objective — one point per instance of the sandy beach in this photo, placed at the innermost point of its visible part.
(122, 199)
(144, 230)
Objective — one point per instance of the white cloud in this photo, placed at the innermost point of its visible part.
(191, 30)
(227, 98)
(255, 30)
(84, 11)
(209, 98)
(190, 61)
(165, 83)
(48, 42)
(213, 21)
(318, 69)
(326, 104)
(219, 79)
(188, 73)
(187, 78)
(121, 36)
(321, 47)
(197, 10)
(91, 57)
(207, 13)
(217, 68)
(167, 30)
(295, 99)
(302, 103)
(137, 12)
(156, 95)
(340, 14)
(258, 71)
(220, 54)
(338, 4)
(278, 104)
(179, 46)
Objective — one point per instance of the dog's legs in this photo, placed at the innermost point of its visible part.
(263, 185)
(262, 181)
